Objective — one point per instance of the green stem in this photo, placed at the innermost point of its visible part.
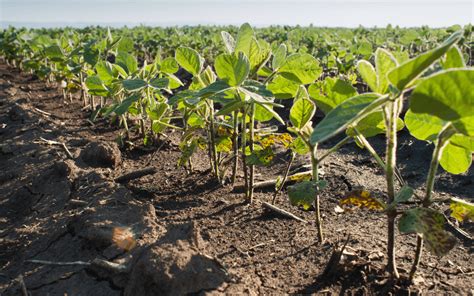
(283, 181)
(213, 140)
(244, 144)
(315, 178)
(440, 143)
(391, 115)
(334, 149)
(235, 144)
(251, 143)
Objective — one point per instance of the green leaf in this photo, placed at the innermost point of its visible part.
(169, 65)
(91, 55)
(259, 53)
(404, 195)
(430, 224)
(372, 125)
(230, 107)
(299, 146)
(106, 71)
(159, 83)
(448, 95)
(95, 86)
(463, 141)
(262, 157)
(304, 193)
(406, 73)
(224, 144)
(244, 39)
(54, 53)
(301, 68)
(461, 210)
(332, 92)
(134, 84)
(233, 70)
(195, 120)
(122, 108)
(368, 74)
(345, 114)
(455, 159)
(189, 60)
(229, 41)
(303, 109)
(127, 62)
(279, 57)
(453, 59)
(283, 88)
(384, 63)
(125, 44)
(424, 127)
(262, 114)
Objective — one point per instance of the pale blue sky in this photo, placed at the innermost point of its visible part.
(347, 13)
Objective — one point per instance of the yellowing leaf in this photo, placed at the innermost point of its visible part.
(461, 210)
(362, 199)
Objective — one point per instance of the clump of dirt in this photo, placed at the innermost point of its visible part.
(99, 154)
(175, 266)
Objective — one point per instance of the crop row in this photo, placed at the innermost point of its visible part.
(228, 105)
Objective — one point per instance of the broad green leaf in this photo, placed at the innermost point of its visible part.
(189, 60)
(299, 146)
(233, 70)
(461, 210)
(365, 48)
(368, 74)
(372, 125)
(283, 88)
(259, 53)
(159, 83)
(362, 199)
(195, 120)
(122, 108)
(455, 159)
(91, 55)
(224, 144)
(384, 63)
(125, 44)
(158, 112)
(406, 73)
(301, 68)
(423, 126)
(229, 41)
(54, 53)
(304, 193)
(127, 62)
(331, 93)
(134, 84)
(453, 59)
(230, 107)
(404, 195)
(95, 86)
(169, 66)
(448, 95)
(261, 157)
(430, 224)
(303, 109)
(279, 57)
(345, 114)
(106, 71)
(244, 39)
(262, 114)
(463, 141)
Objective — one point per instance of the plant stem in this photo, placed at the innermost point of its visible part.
(283, 181)
(440, 143)
(244, 144)
(391, 115)
(213, 139)
(251, 143)
(235, 146)
(315, 178)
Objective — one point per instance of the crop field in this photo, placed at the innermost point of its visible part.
(237, 160)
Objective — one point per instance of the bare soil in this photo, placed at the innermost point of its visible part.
(182, 233)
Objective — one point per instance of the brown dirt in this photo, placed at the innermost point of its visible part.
(180, 232)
